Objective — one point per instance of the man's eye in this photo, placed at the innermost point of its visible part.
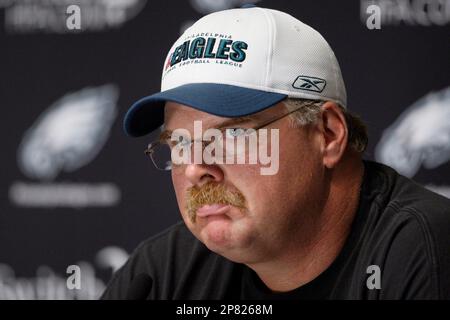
(184, 142)
(234, 132)
(180, 141)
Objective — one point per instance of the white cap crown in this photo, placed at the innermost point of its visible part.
(259, 49)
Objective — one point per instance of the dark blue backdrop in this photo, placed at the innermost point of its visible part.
(76, 191)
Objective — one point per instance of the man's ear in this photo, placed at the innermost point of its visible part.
(334, 132)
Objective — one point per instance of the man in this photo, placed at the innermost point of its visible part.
(309, 219)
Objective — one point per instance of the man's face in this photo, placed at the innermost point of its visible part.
(277, 208)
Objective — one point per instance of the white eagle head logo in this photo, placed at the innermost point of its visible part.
(420, 136)
(69, 134)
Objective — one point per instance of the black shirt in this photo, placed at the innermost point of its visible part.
(400, 227)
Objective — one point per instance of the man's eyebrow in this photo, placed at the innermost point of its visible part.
(165, 135)
(232, 121)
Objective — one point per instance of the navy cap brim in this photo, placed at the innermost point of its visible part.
(147, 114)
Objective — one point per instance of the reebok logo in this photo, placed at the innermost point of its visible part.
(309, 83)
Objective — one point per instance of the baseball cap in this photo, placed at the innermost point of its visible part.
(237, 62)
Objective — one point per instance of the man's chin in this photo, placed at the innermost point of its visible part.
(221, 236)
(216, 232)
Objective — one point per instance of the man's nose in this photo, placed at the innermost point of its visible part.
(200, 174)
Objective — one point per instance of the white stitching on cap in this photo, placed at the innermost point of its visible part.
(272, 30)
(330, 55)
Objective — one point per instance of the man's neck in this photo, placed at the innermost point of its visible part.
(304, 263)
